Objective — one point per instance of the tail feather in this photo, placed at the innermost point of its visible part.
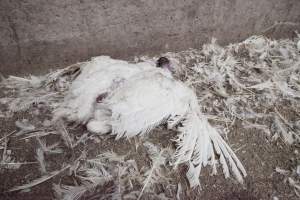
(235, 164)
(198, 143)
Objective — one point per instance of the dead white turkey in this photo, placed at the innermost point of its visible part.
(136, 98)
(98, 77)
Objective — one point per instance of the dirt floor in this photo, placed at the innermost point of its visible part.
(259, 155)
(271, 164)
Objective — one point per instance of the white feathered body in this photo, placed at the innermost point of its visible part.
(101, 75)
(146, 98)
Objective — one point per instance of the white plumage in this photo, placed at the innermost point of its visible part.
(141, 97)
(101, 75)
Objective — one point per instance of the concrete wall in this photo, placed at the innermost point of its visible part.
(38, 34)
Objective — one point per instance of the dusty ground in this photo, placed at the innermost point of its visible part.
(259, 155)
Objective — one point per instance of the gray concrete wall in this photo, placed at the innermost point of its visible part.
(38, 34)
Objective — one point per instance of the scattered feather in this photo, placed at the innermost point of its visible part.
(39, 180)
(154, 173)
(41, 160)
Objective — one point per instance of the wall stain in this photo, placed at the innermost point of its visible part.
(15, 36)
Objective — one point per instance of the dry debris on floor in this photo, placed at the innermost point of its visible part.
(250, 91)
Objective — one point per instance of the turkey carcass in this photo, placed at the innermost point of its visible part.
(98, 77)
(150, 98)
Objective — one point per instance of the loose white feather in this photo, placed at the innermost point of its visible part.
(39, 180)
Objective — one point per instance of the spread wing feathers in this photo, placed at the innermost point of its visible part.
(102, 74)
(148, 100)
(144, 102)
